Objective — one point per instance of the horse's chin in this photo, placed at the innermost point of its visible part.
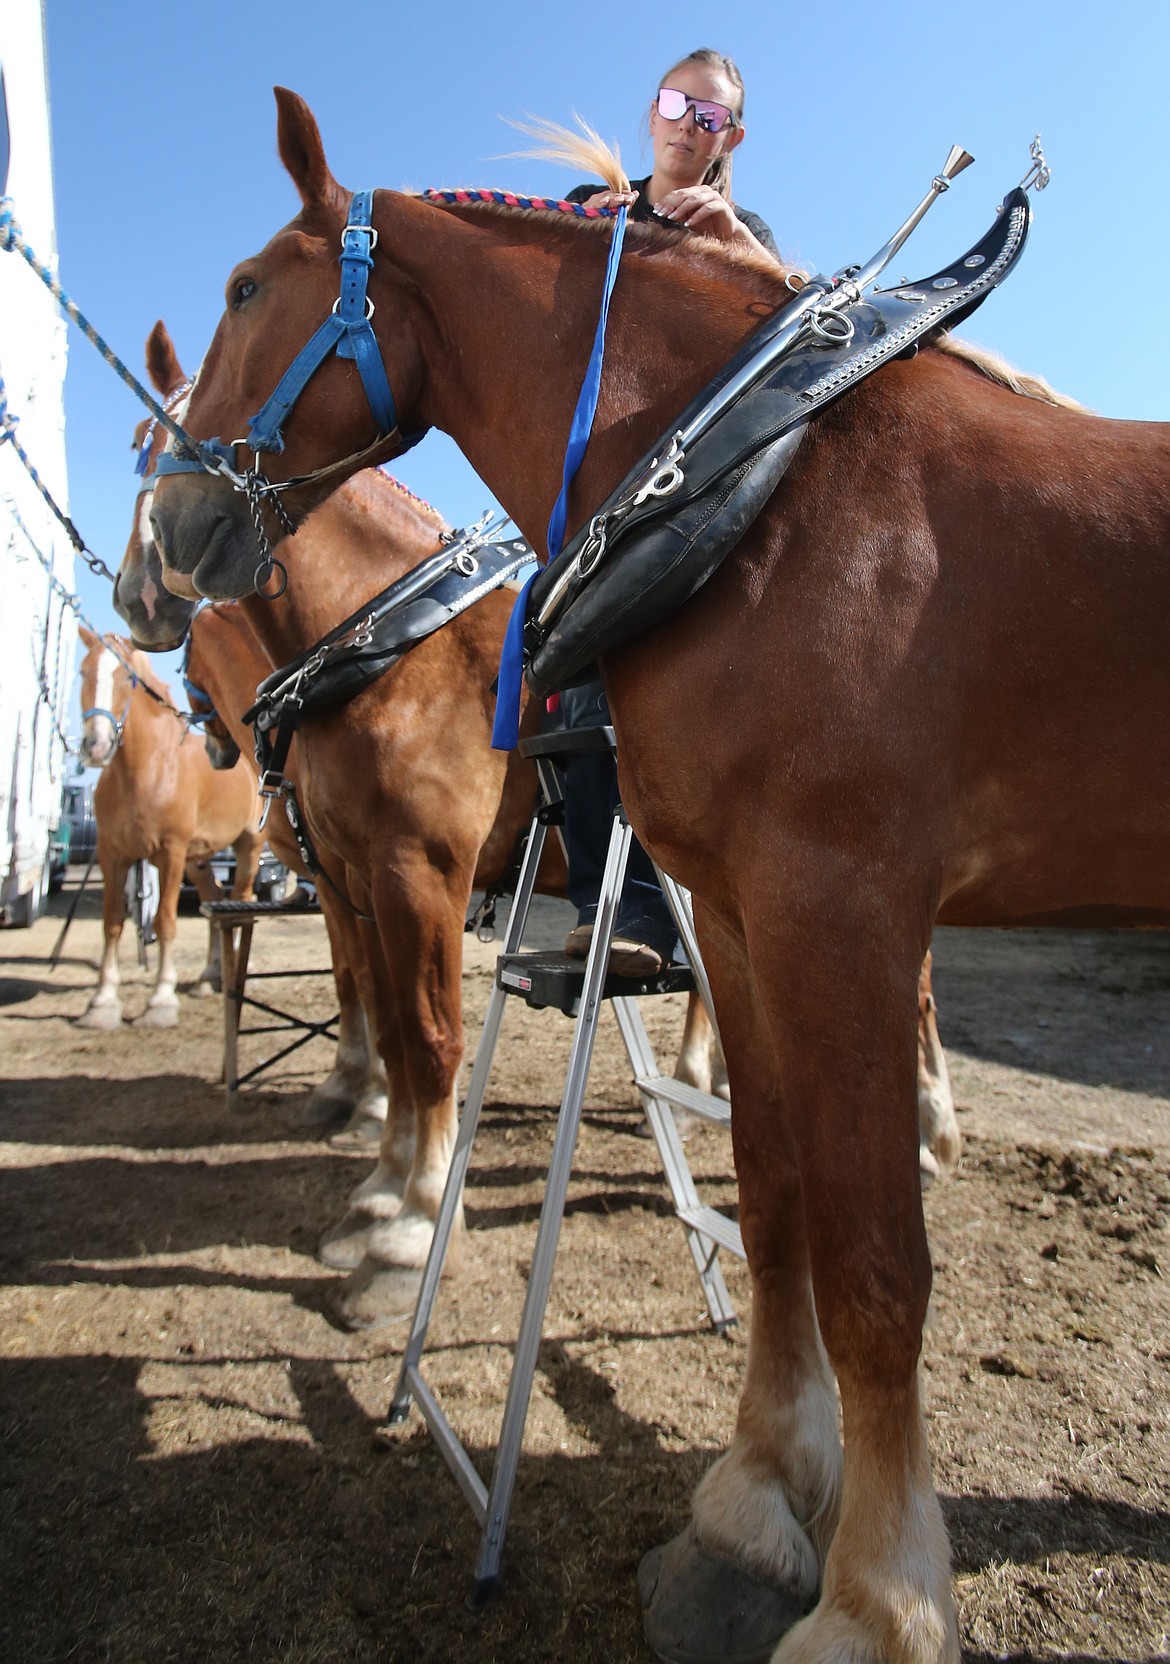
(207, 547)
(181, 584)
(151, 635)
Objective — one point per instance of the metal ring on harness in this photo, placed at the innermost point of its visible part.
(466, 563)
(819, 320)
(266, 567)
(369, 307)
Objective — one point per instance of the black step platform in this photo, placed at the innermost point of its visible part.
(551, 978)
(235, 910)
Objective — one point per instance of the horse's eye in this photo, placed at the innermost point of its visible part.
(242, 290)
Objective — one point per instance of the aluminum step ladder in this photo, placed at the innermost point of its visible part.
(543, 979)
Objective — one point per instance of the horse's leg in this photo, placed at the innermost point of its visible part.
(357, 1086)
(335, 1096)
(162, 1009)
(248, 848)
(378, 1198)
(207, 886)
(700, 1060)
(749, 1564)
(939, 1142)
(420, 913)
(105, 1009)
(836, 965)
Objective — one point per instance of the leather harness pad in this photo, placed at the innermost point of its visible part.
(399, 623)
(667, 548)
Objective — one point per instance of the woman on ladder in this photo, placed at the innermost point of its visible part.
(696, 122)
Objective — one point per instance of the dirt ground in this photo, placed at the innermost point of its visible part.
(195, 1458)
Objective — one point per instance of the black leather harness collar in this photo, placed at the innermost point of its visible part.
(679, 513)
(365, 646)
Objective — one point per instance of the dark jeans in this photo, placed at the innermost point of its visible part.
(591, 796)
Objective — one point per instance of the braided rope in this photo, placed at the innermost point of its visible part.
(12, 240)
(511, 199)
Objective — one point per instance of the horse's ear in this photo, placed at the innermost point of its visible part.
(298, 140)
(162, 361)
(87, 636)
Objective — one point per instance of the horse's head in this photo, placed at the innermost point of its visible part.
(277, 301)
(158, 620)
(106, 687)
(205, 647)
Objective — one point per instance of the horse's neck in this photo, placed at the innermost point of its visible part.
(148, 730)
(505, 354)
(358, 542)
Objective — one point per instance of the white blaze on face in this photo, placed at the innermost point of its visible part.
(100, 728)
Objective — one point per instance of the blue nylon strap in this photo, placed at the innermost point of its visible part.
(347, 331)
(506, 728)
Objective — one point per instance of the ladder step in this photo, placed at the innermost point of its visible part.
(717, 1226)
(677, 1092)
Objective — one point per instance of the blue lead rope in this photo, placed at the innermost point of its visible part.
(506, 729)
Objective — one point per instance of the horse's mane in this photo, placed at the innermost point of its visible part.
(422, 508)
(997, 369)
(142, 667)
(588, 151)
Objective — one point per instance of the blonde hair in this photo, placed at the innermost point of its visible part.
(719, 173)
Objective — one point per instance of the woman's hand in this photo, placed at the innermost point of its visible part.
(701, 208)
(610, 199)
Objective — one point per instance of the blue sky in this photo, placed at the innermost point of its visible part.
(166, 170)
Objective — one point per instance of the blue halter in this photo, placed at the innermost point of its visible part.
(347, 332)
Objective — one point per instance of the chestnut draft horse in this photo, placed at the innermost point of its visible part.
(401, 785)
(225, 665)
(158, 800)
(930, 683)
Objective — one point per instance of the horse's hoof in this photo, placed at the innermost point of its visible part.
(376, 1295)
(697, 1609)
(107, 1017)
(327, 1105)
(343, 1247)
(363, 1132)
(158, 1016)
(928, 1168)
(205, 989)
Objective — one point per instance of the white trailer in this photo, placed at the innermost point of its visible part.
(38, 633)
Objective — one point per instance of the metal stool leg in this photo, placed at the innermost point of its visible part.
(410, 1382)
(234, 978)
(499, 1500)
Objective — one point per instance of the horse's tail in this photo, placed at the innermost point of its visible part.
(586, 151)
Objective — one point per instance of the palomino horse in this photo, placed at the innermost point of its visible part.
(930, 683)
(159, 800)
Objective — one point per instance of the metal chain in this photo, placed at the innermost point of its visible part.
(73, 602)
(256, 488)
(8, 424)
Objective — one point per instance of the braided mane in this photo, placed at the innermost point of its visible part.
(143, 669)
(420, 505)
(589, 153)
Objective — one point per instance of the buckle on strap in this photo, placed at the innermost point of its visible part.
(346, 331)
